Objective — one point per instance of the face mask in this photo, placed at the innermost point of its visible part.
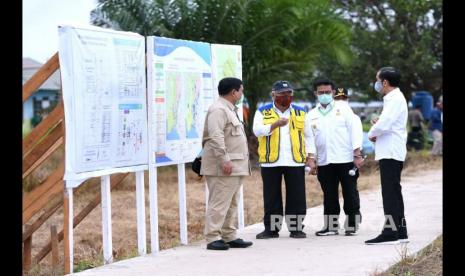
(239, 102)
(325, 99)
(378, 86)
(284, 100)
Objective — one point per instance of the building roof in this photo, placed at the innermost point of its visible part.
(31, 63)
(30, 66)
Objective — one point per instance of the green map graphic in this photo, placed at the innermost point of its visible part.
(192, 85)
(227, 62)
(173, 99)
(187, 107)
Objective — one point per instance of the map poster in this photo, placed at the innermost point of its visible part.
(180, 87)
(226, 62)
(103, 80)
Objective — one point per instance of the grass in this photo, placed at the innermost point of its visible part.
(427, 262)
(88, 234)
(366, 126)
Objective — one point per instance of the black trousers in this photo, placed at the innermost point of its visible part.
(296, 206)
(329, 177)
(393, 202)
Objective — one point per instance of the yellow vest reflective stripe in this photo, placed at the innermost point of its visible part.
(268, 146)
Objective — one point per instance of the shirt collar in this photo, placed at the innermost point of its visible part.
(228, 104)
(391, 94)
(330, 105)
(276, 109)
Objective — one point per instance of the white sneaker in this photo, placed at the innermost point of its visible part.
(404, 240)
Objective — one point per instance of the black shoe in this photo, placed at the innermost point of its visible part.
(327, 232)
(384, 239)
(403, 237)
(239, 243)
(298, 235)
(267, 235)
(351, 233)
(218, 245)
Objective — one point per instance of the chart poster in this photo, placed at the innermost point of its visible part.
(103, 82)
(226, 62)
(180, 91)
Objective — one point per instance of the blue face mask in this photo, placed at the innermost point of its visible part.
(325, 99)
(378, 86)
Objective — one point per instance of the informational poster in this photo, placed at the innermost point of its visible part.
(180, 91)
(226, 62)
(103, 80)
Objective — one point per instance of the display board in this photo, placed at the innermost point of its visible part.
(103, 83)
(180, 92)
(226, 62)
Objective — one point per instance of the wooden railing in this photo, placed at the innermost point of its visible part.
(48, 196)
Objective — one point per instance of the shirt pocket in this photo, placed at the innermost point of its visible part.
(299, 123)
(315, 126)
(236, 129)
(269, 120)
(236, 156)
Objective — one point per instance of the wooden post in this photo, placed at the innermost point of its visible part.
(27, 251)
(55, 252)
(68, 229)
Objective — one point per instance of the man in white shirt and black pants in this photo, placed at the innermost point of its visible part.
(389, 133)
(335, 143)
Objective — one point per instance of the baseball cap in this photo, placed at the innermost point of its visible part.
(281, 86)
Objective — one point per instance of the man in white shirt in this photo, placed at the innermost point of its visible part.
(280, 128)
(389, 133)
(342, 97)
(335, 144)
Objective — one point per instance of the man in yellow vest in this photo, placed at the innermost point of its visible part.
(280, 128)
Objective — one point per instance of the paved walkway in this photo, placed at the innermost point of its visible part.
(335, 255)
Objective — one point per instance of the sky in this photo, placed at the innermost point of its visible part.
(40, 24)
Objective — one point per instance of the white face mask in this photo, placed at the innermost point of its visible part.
(378, 86)
(241, 99)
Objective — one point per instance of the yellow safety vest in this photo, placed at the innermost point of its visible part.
(268, 146)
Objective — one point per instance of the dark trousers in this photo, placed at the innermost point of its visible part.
(296, 206)
(393, 203)
(329, 177)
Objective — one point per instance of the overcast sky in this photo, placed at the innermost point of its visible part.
(40, 21)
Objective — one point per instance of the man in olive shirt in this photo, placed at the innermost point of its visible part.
(225, 162)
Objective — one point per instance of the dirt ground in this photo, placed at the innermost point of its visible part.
(428, 262)
(88, 234)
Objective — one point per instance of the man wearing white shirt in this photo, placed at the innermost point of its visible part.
(281, 132)
(335, 143)
(389, 133)
(342, 97)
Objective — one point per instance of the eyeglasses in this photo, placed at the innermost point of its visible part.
(324, 92)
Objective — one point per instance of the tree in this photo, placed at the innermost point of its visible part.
(281, 39)
(403, 34)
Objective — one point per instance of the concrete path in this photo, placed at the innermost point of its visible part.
(334, 255)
